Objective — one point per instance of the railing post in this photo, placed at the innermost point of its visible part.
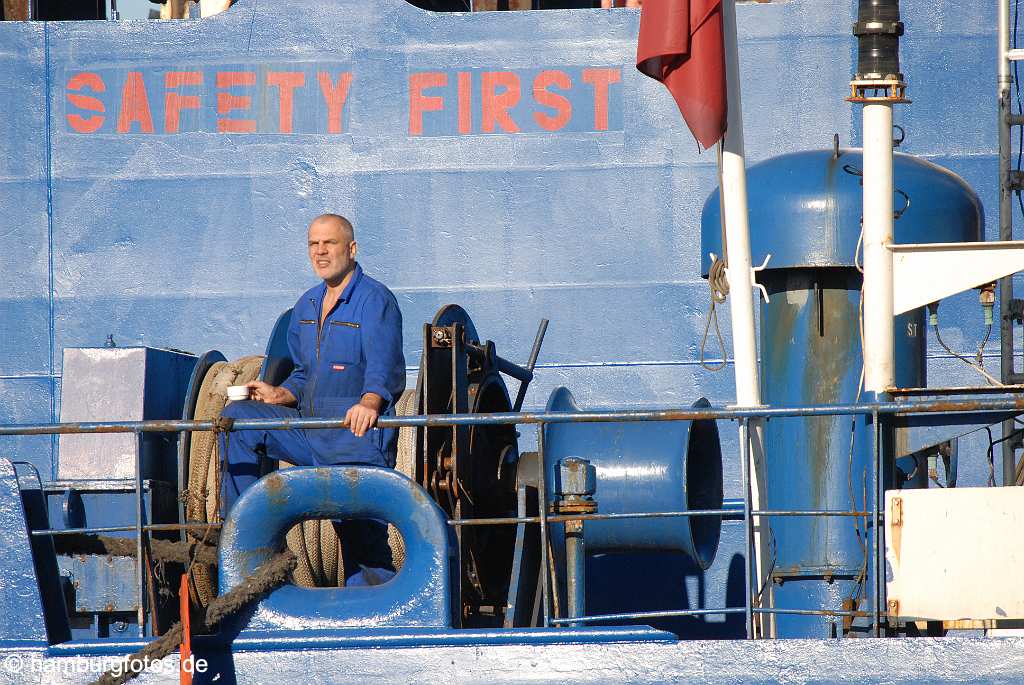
(140, 576)
(748, 539)
(542, 509)
(573, 494)
(876, 521)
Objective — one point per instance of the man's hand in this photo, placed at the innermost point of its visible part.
(362, 417)
(271, 394)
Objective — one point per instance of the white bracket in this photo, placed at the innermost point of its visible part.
(928, 272)
(753, 276)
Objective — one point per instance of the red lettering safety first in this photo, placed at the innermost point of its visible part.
(312, 98)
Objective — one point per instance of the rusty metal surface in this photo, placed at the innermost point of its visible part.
(956, 390)
(725, 513)
(811, 354)
(120, 529)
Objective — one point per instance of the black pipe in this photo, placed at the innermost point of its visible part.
(530, 365)
(878, 30)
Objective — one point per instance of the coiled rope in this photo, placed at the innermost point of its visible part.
(202, 492)
(718, 284)
(316, 542)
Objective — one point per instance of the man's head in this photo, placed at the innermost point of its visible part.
(332, 247)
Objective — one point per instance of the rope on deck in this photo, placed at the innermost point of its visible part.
(167, 551)
(270, 575)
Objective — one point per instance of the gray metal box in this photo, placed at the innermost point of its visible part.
(121, 384)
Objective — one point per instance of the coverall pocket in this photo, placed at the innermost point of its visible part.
(307, 337)
(335, 407)
(345, 346)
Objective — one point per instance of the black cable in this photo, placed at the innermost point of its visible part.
(897, 213)
(991, 459)
(991, 451)
(1012, 435)
(979, 359)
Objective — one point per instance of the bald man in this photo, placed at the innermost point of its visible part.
(345, 339)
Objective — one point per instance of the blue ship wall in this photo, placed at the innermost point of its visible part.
(192, 238)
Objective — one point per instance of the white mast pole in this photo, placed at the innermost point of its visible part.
(741, 282)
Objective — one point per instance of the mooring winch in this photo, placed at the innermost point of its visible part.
(471, 470)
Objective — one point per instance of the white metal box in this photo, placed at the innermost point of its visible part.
(954, 554)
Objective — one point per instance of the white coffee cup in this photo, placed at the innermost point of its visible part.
(238, 392)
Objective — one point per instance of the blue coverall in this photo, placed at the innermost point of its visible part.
(357, 350)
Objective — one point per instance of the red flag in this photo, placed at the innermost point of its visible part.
(681, 45)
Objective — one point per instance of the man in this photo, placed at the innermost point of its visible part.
(345, 339)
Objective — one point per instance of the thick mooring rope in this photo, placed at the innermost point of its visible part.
(167, 551)
(271, 574)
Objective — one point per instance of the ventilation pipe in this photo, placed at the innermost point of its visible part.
(878, 84)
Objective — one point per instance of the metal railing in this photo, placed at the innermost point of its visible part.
(991, 409)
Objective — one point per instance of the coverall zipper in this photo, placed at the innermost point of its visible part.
(319, 330)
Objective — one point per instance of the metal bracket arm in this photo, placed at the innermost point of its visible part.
(753, 275)
(929, 272)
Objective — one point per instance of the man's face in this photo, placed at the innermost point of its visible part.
(331, 252)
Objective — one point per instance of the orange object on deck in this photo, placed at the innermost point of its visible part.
(186, 633)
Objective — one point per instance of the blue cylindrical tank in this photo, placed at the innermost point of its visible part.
(805, 211)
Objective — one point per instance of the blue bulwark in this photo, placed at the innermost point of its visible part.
(21, 603)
